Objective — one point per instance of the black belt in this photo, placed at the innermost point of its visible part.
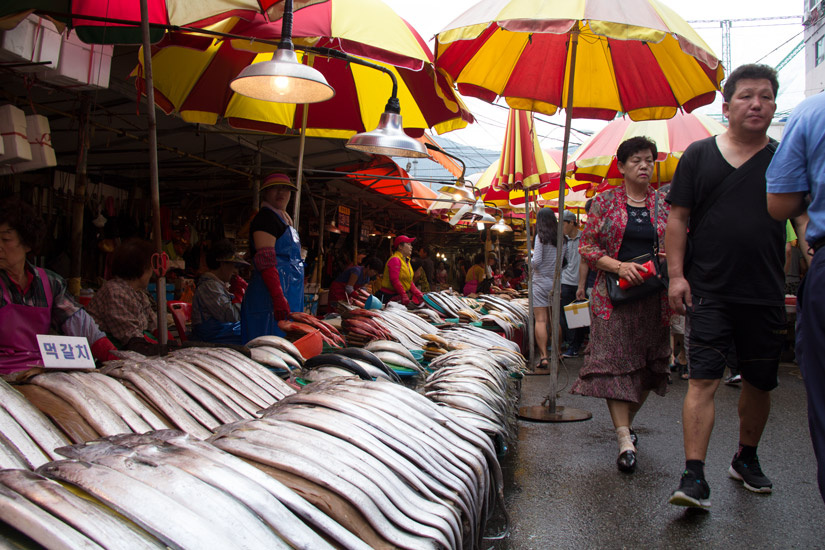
(818, 244)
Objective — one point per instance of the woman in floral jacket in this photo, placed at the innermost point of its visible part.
(629, 346)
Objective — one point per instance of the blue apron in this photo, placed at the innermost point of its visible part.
(257, 318)
(216, 332)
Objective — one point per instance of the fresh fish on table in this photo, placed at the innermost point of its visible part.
(92, 520)
(39, 525)
(95, 411)
(39, 428)
(223, 511)
(174, 524)
(20, 440)
(279, 343)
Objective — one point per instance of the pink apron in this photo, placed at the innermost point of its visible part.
(21, 325)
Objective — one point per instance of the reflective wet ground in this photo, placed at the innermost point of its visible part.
(563, 489)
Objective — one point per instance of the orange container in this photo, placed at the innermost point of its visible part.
(310, 345)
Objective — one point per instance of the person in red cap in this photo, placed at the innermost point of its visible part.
(397, 283)
(277, 285)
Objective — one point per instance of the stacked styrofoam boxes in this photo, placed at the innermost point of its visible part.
(82, 66)
(33, 40)
(40, 141)
(16, 146)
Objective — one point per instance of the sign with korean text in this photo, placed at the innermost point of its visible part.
(343, 219)
(65, 352)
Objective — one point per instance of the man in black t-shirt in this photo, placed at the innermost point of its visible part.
(725, 260)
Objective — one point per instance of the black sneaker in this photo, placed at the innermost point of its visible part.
(692, 492)
(750, 474)
(571, 353)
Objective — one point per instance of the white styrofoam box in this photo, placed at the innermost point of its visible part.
(82, 66)
(16, 146)
(34, 40)
(577, 314)
(40, 141)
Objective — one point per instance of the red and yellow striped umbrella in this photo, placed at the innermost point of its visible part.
(192, 74)
(523, 165)
(196, 13)
(595, 160)
(632, 56)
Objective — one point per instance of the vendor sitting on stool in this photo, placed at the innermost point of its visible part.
(122, 307)
(216, 307)
(353, 278)
(397, 283)
(32, 300)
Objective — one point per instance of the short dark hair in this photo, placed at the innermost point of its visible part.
(478, 259)
(132, 258)
(633, 145)
(24, 219)
(751, 71)
(220, 249)
(373, 263)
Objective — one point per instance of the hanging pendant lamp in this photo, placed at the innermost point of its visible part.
(283, 79)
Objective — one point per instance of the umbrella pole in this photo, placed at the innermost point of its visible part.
(548, 411)
(299, 177)
(153, 169)
(531, 328)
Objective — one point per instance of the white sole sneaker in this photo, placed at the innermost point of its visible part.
(679, 498)
(735, 475)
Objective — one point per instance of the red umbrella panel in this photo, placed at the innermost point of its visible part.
(382, 175)
(196, 13)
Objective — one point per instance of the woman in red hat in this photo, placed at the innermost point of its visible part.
(397, 283)
(277, 285)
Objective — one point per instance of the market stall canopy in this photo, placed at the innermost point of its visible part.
(196, 13)
(192, 74)
(639, 57)
(382, 175)
(595, 160)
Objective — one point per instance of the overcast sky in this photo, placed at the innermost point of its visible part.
(751, 41)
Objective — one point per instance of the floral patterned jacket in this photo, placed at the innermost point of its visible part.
(602, 236)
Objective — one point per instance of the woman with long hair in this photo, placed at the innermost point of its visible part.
(544, 270)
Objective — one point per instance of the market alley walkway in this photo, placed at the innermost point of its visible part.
(563, 489)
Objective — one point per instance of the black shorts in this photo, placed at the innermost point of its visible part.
(758, 333)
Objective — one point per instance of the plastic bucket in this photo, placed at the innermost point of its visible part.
(310, 345)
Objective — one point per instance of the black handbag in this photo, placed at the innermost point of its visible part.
(652, 285)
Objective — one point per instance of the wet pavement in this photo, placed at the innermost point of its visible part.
(563, 489)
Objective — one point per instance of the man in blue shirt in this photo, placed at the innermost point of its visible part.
(796, 186)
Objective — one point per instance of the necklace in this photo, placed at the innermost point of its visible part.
(634, 200)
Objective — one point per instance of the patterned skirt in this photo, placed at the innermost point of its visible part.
(628, 354)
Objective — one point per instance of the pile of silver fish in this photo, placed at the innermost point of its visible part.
(454, 305)
(394, 355)
(420, 477)
(405, 327)
(173, 490)
(276, 352)
(480, 387)
(27, 437)
(199, 389)
(476, 337)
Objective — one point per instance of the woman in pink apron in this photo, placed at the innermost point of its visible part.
(33, 300)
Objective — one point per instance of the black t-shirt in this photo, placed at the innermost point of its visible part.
(638, 234)
(267, 221)
(737, 249)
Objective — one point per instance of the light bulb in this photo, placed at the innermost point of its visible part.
(281, 84)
